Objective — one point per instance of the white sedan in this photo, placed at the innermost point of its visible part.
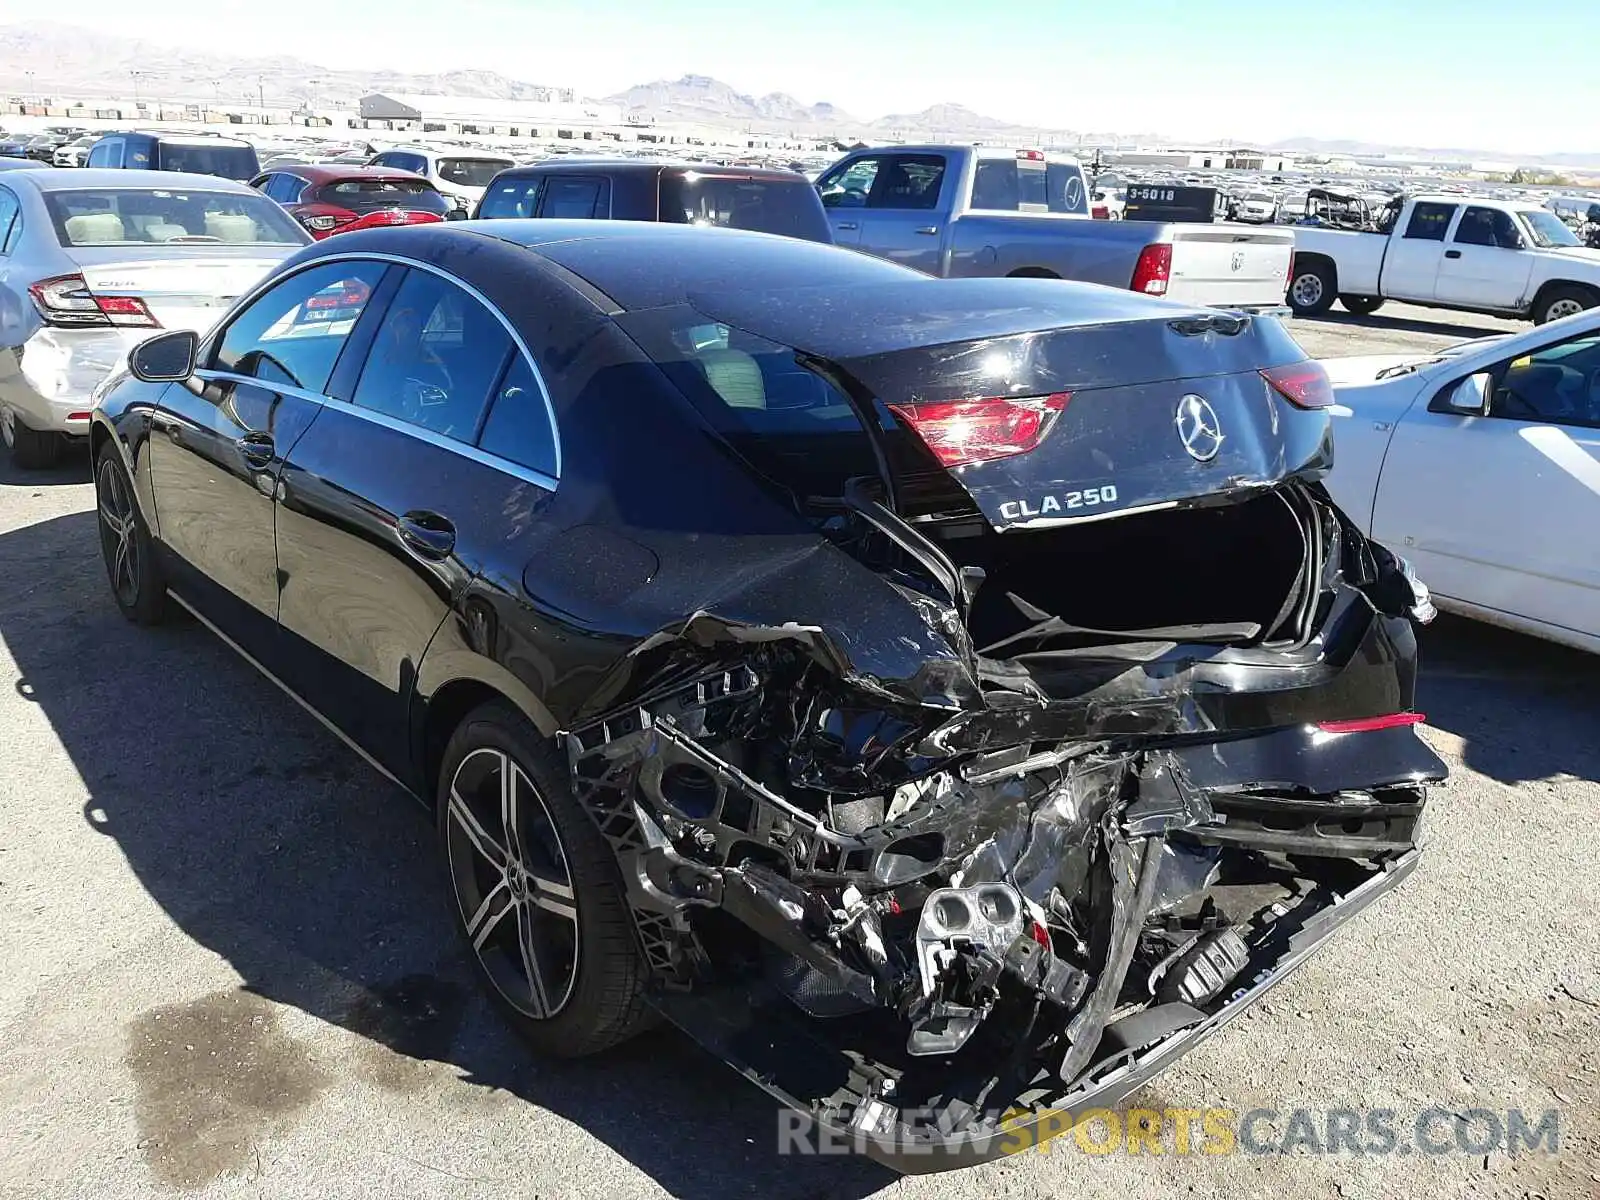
(1481, 464)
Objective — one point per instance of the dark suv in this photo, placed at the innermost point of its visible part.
(197, 154)
(756, 198)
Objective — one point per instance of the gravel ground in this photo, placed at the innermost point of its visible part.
(230, 972)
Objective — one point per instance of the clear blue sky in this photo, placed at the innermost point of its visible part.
(1480, 73)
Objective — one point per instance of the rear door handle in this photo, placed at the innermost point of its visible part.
(427, 535)
(1452, 254)
(848, 225)
(929, 229)
(257, 448)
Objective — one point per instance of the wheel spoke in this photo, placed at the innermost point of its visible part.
(552, 896)
(530, 961)
(485, 845)
(122, 571)
(510, 816)
(114, 520)
(494, 907)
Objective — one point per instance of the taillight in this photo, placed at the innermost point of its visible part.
(393, 216)
(350, 295)
(1100, 212)
(67, 302)
(1153, 270)
(1369, 724)
(1302, 384)
(1031, 155)
(988, 427)
(323, 219)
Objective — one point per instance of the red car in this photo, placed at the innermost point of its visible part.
(337, 199)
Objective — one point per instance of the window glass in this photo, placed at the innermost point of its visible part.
(1548, 231)
(513, 197)
(1559, 384)
(228, 162)
(850, 186)
(994, 185)
(1430, 221)
(472, 172)
(144, 216)
(576, 196)
(784, 206)
(292, 333)
(136, 154)
(908, 181)
(10, 220)
(369, 195)
(1008, 186)
(518, 427)
(1476, 228)
(1065, 190)
(435, 358)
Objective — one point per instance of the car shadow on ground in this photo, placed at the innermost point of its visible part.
(1524, 709)
(72, 467)
(1377, 321)
(269, 843)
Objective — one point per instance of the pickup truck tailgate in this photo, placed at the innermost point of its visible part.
(1225, 265)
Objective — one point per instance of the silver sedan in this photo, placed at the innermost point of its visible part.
(92, 261)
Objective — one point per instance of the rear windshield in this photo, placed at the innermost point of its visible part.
(368, 195)
(788, 207)
(472, 172)
(1001, 184)
(228, 162)
(112, 217)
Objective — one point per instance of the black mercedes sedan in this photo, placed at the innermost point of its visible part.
(948, 701)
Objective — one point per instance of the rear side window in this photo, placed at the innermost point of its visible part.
(435, 358)
(471, 172)
(10, 220)
(518, 428)
(227, 162)
(292, 333)
(136, 155)
(576, 197)
(787, 207)
(1430, 221)
(106, 154)
(513, 197)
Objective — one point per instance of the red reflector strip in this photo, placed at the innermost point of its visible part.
(1369, 724)
(83, 416)
(980, 430)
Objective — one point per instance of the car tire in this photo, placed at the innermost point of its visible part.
(1563, 300)
(1312, 289)
(137, 583)
(554, 900)
(1362, 306)
(30, 450)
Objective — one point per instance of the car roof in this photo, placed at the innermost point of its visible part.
(641, 166)
(464, 152)
(72, 179)
(182, 139)
(333, 172)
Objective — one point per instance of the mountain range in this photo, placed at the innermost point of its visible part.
(65, 62)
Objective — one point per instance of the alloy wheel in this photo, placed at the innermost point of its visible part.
(118, 534)
(513, 883)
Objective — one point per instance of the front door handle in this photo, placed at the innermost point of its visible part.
(1452, 254)
(848, 225)
(257, 448)
(930, 230)
(427, 535)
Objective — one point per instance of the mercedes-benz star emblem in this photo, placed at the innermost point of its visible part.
(1198, 428)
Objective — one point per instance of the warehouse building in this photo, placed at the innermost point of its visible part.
(560, 115)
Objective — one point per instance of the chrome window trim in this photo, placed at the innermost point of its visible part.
(249, 298)
(465, 449)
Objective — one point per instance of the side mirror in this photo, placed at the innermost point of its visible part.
(166, 358)
(1470, 397)
(457, 214)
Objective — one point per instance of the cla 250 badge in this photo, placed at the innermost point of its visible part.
(1054, 505)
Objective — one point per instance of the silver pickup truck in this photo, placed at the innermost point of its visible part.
(979, 210)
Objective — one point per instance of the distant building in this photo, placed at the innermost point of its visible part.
(1215, 158)
(475, 115)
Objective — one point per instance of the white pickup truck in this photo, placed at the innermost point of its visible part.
(1463, 252)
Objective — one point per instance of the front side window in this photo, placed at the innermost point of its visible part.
(1487, 227)
(292, 333)
(1430, 221)
(849, 186)
(512, 197)
(578, 197)
(1559, 385)
(908, 181)
(518, 426)
(147, 216)
(435, 358)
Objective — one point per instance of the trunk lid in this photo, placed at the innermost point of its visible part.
(1225, 265)
(182, 291)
